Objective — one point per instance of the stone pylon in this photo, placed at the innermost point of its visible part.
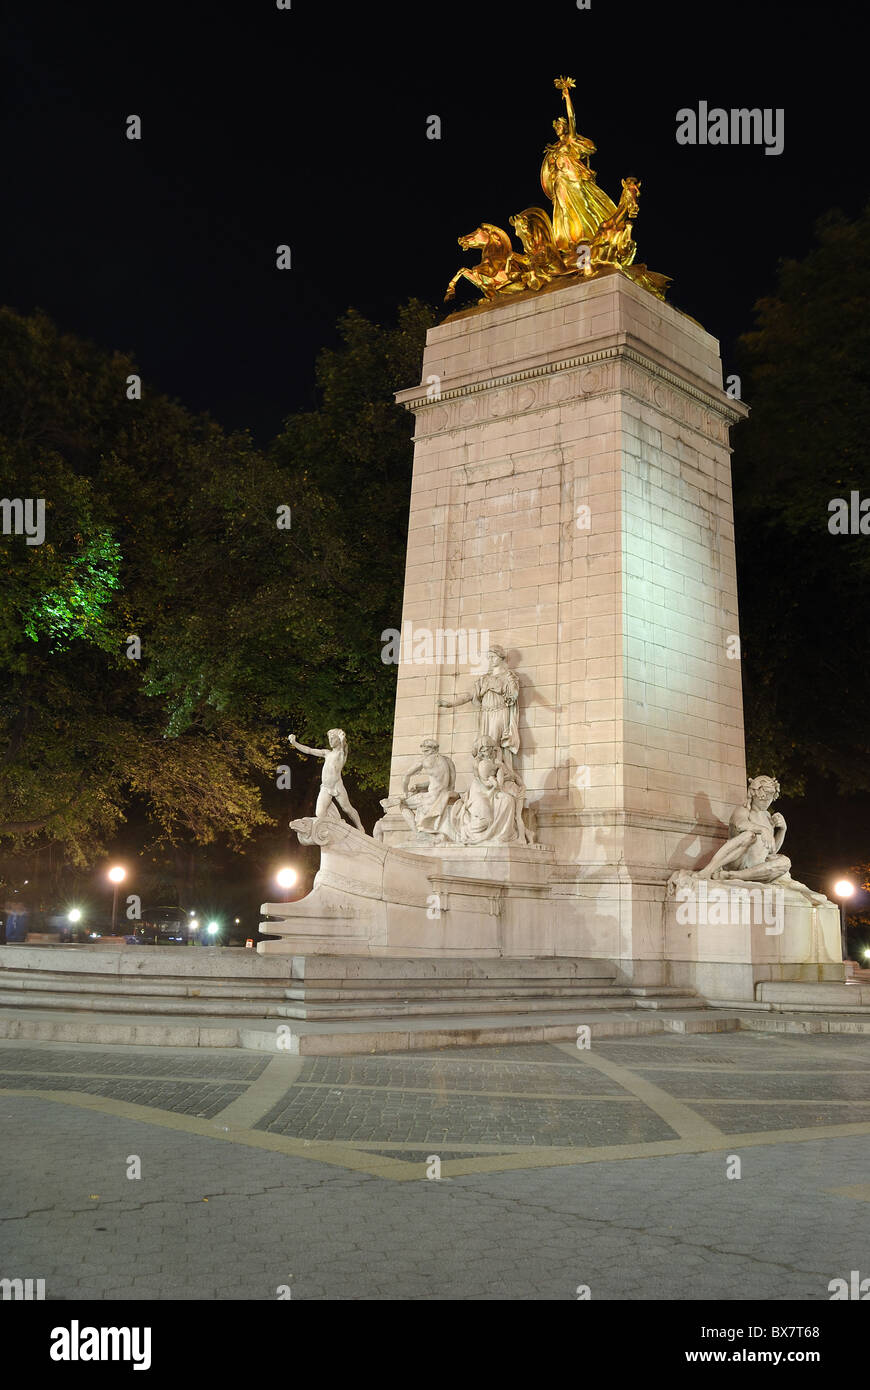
(571, 501)
(571, 504)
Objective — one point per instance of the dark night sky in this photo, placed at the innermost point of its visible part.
(308, 127)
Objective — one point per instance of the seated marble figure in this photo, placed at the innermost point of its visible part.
(751, 854)
(427, 790)
(491, 810)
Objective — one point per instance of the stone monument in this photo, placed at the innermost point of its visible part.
(571, 506)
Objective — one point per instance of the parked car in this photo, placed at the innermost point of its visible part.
(164, 926)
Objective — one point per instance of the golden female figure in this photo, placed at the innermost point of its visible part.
(579, 205)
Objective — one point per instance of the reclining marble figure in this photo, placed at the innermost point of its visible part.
(751, 854)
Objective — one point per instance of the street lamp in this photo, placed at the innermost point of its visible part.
(116, 876)
(843, 890)
(213, 928)
(74, 915)
(285, 878)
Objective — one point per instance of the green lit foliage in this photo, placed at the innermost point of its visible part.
(160, 524)
(75, 608)
(81, 737)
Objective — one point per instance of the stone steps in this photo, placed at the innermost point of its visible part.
(348, 1037)
(567, 1003)
(458, 990)
(141, 997)
(321, 1004)
(139, 1003)
(29, 981)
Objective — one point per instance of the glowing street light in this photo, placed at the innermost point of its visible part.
(843, 889)
(74, 915)
(285, 878)
(213, 928)
(116, 876)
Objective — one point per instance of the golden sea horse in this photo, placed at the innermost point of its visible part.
(500, 268)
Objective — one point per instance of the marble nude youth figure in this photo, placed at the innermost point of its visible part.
(331, 786)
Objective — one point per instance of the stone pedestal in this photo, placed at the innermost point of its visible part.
(571, 498)
(571, 502)
(728, 944)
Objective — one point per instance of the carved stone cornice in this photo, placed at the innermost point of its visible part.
(620, 368)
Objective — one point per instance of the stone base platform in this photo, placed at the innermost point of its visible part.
(234, 983)
(346, 1038)
(349, 1039)
(507, 902)
(321, 1005)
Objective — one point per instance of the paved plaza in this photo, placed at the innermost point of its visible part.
(559, 1168)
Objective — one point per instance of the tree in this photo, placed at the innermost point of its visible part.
(162, 528)
(80, 734)
(803, 590)
(285, 621)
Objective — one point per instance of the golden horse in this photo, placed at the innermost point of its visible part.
(614, 249)
(498, 269)
(542, 260)
(612, 243)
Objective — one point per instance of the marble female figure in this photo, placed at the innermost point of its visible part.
(495, 695)
(491, 810)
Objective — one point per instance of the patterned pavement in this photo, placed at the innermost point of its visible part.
(611, 1167)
